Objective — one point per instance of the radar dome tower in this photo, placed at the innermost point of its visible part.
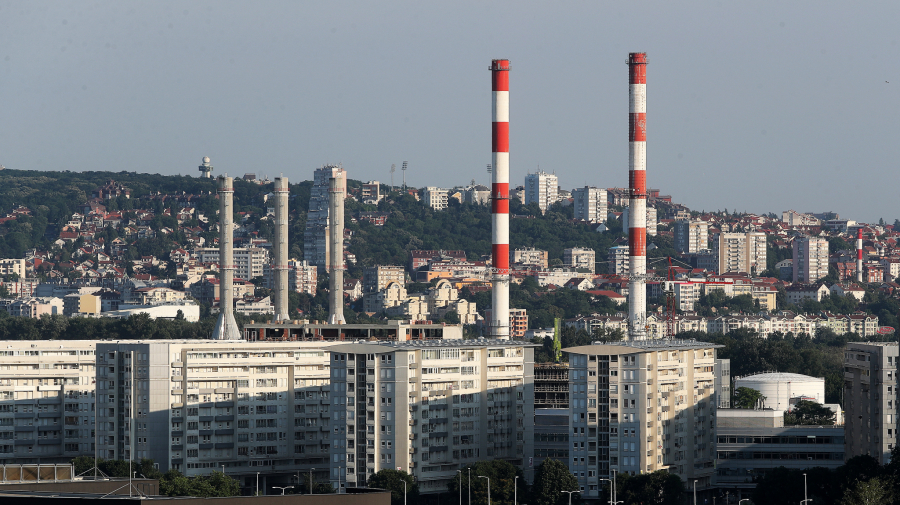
(206, 168)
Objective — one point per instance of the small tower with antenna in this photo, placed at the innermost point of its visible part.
(205, 169)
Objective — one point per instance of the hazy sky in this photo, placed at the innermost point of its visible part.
(760, 106)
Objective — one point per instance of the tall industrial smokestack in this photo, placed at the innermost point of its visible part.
(500, 200)
(336, 237)
(637, 199)
(226, 327)
(859, 256)
(281, 249)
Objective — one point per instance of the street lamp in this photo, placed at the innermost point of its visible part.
(469, 481)
(460, 486)
(404, 492)
(257, 483)
(489, 487)
(743, 500)
(611, 499)
(570, 495)
(805, 498)
(282, 488)
(695, 491)
(311, 482)
(516, 490)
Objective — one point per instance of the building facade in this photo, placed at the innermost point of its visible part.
(315, 236)
(870, 404)
(639, 407)
(580, 258)
(741, 252)
(810, 259)
(541, 188)
(435, 197)
(691, 236)
(429, 408)
(590, 204)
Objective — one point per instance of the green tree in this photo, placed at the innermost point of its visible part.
(747, 398)
(875, 491)
(808, 412)
(392, 480)
(551, 478)
(660, 488)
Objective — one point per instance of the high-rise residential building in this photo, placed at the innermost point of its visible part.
(691, 236)
(617, 260)
(302, 277)
(741, 252)
(580, 258)
(430, 407)
(531, 256)
(315, 236)
(47, 413)
(435, 197)
(870, 404)
(590, 204)
(652, 222)
(639, 407)
(810, 259)
(541, 188)
(197, 406)
(379, 277)
(249, 262)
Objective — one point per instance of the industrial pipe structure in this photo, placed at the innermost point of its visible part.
(280, 268)
(637, 197)
(499, 324)
(336, 237)
(226, 327)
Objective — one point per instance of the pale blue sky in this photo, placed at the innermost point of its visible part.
(759, 106)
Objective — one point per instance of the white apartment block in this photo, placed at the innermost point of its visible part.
(810, 259)
(639, 407)
(741, 252)
(541, 188)
(435, 197)
(870, 400)
(379, 277)
(47, 407)
(651, 221)
(617, 260)
(590, 204)
(303, 277)
(691, 236)
(582, 258)
(10, 266)
(250, 262)
(429, 407)
(531, 256)
(200, 405)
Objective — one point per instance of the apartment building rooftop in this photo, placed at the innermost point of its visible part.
(626, 347)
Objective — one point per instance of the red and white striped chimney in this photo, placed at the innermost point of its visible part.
(637, 198)
(499, 323)
(859, 256)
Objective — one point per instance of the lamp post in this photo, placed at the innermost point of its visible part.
(257, 483)
(611, 499)
(805, 497)
(282, 488)
(743, 500)
(570, 495)
(469, 482)
(404, 492)
(489, 487)
(460, 486)
(311, 482)
(516, 490)
(695, 491)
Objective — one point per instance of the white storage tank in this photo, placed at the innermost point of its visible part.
(780, 388)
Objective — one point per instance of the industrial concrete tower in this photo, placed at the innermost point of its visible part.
(499, 326)
(226, 327)
(637, 197)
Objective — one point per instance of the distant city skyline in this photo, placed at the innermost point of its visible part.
(759, 107)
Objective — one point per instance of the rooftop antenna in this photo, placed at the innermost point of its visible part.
(404, 174)
(393, 169)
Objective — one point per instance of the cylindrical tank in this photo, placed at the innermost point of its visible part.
(780, 388)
